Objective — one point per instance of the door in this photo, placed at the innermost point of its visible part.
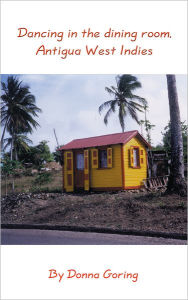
(79, 170)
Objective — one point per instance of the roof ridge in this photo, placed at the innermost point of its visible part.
(104, 135)
(101, 140)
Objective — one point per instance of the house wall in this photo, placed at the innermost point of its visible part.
(120, 176)
(134, 176)
(107, 178)
(111, 177)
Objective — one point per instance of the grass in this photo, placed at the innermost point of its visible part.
(25, 184)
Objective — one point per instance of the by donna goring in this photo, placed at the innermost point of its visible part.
(107, 274)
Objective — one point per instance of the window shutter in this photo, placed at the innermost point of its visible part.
(69, 171)
(86, 170)
(131, 156)
(94, 158)
(141, 157)
(109, 157)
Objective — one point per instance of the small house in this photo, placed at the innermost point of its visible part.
(109, 162)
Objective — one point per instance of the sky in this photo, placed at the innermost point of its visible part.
(70, 104)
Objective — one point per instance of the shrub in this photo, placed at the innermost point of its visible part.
(42, 179)
(28, 172)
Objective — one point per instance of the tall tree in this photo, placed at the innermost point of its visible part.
(123, 99)
(176, 182)
(18, 109)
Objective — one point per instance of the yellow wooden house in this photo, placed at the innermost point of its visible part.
(109, 162)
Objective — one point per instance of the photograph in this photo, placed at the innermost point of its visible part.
(94, 159)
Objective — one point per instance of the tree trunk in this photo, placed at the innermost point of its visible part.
(176, 181)
(11, 157)
(16, 155)
(13, 183)
(2, 138)
(6, 184)
(11, 150)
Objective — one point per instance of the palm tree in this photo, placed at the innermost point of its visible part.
(18, 109)
(176, 182)
(124, 100)
(21, 144)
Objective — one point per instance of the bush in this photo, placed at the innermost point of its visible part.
(28, 172)
(42, 178)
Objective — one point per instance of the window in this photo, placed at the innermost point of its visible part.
(80, 161)
(136, 157)
(103, 158)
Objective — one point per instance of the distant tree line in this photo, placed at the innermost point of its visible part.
(166, 140)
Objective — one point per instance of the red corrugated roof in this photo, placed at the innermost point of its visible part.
(103, 140)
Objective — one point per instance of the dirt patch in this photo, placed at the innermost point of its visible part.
(121, 210)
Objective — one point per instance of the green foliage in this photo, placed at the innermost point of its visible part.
(166, 144)
(28, 172)
(20, 144)
(158, 147)
(124, 100)
(147, 125)
(58, 156)
(42, 179)
(45, 153)
(9, 167)
(37, 155)
(18, 114)
(18, 107)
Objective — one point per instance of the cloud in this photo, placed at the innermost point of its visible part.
(70, 104)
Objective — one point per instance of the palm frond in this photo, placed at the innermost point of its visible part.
(141, 99)
(18, 106)
(109, 90)
(124, 99)
(105, 105)
(136, 106)
(109, 112)
(133, 114)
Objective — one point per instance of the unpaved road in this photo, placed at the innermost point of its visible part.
(53, 237)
